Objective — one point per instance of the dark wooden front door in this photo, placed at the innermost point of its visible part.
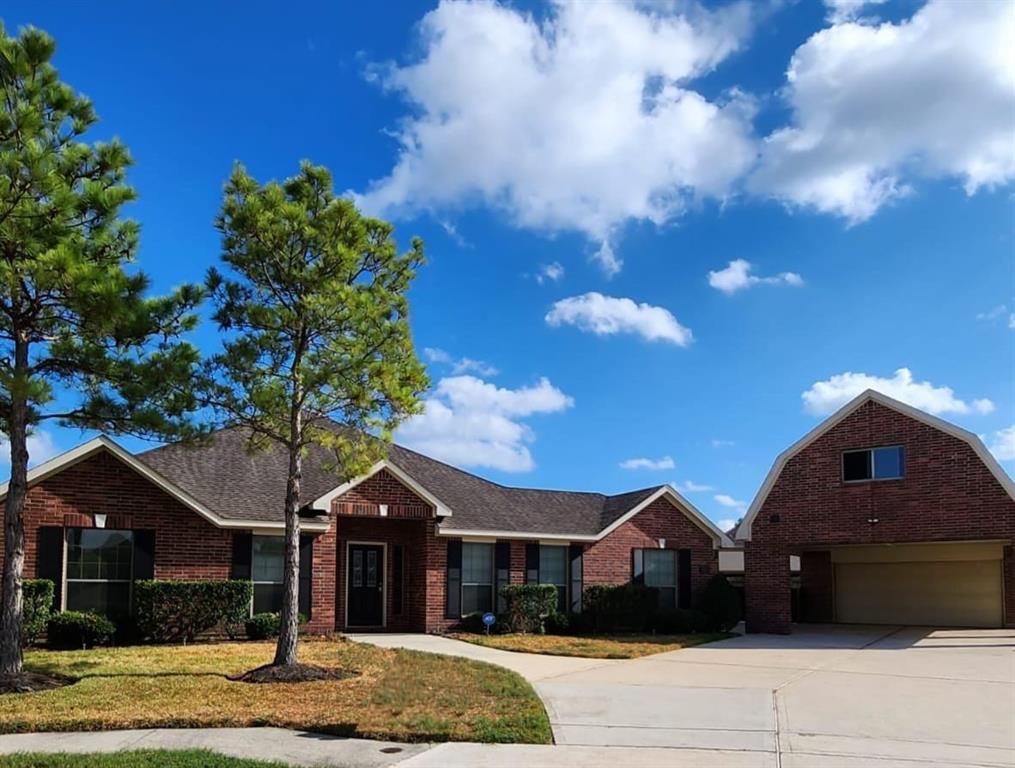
(366, 585)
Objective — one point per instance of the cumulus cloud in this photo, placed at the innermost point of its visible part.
(552, 272)
(876, 105)
(1000, 311)
(1002, 444)
(737, 277)
(726, 524)
(581, 121)
(689, 486)
(459, 365)
(824, 397)
(729, 502)
(606, 316)
(472, 423)
(41, 448)
(840, 11)
(642, 463)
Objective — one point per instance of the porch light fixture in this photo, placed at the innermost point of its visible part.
(662, 543)
(100, 521)
(384, 509)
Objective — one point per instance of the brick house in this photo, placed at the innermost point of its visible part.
(413, 545)
(897, 517)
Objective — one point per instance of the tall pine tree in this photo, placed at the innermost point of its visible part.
(80, 342)
(315, 317)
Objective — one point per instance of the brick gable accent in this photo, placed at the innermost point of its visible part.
(947, 494)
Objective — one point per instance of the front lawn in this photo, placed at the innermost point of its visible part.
(396, 695)
(593, 647)
(142, 758)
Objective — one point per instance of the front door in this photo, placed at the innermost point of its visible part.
(366, 585)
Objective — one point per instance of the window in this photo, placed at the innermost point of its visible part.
(99, 570)
(873, 464)
(267, 566)
(553, 570)
(477, 577)
(661, 573)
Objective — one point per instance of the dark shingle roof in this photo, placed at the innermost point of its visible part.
(239, 485)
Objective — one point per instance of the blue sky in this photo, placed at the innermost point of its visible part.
(671, 236)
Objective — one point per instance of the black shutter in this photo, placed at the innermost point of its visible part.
(144, 555)
(575, 553)
(454, 579)
(532, 563)
(638, 566)
(683, 578)
(397, 580)
(306, 575)
(49, 559)
(242, 551)
(502, 572)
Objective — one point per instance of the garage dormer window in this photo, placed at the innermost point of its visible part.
(887, 463)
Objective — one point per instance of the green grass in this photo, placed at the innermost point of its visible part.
(144, 758)
(396, 695)
(593, 646)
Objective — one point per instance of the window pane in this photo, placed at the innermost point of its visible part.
(268, 558)
(888, 462)
(660, 567)
(267, 598)
(108, 598)
(97, 553)
(477, 563)
(476, 598)
(553, 565)
(856, 465)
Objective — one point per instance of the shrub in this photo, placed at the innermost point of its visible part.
(528, 605)
(262, 626)
(73, 630)
(37, 597)
(720, 603)
(558, 623)
(169, 611)
(619, 607)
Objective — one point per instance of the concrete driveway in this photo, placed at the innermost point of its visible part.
(823, 696)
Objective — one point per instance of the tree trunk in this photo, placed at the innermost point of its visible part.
(14, 523)
(288, 637)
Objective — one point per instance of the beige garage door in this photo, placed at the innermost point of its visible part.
(948, 593)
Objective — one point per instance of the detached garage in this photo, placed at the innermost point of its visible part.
(960, 585)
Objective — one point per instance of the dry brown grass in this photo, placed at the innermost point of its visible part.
(396, 694)
(593, 647)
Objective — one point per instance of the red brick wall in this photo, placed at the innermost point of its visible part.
(948, 494)
(608, 561)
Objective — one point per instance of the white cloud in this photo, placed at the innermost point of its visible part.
(41, 448)
(580, 121)
(459, 365)
(726, 524)
(737, 276)
(1011, 321)
(1001, 310)
(452, 231)
(470, 422)
(840, 11)
(1002, 444)
(553, 272)
(729, 502)
(877, 105)
(606, 316)
(824, 397)
(717, 443)
(689, 486)
(664, 463)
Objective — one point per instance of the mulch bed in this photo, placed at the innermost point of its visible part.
(30, 682)
(292, 673)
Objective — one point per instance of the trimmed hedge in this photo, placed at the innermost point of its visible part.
(720, 602)
(619, 607)
(37, 601)
(173, 611)
(528, 606)
(74, 630)
(262, 626)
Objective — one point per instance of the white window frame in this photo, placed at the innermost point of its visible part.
(493, 575)
(256, 582)
(566, 586)
(871, 450)
(675, 555)
(66, 580)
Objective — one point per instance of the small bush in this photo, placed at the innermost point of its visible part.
(720, 602)
(263, 626)
(528, 606)
(620, 607)
(171, 611)
(73, 630)
(558, 623)
(37, 601)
